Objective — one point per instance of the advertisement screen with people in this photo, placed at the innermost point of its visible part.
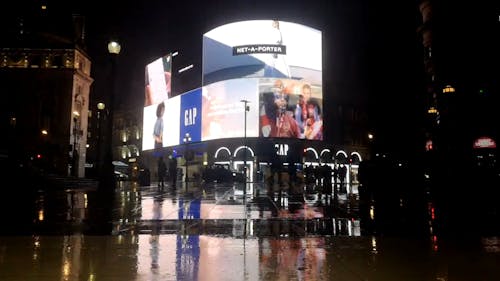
(275, 66)
(277, 108)
(290, 109)
(160, 126)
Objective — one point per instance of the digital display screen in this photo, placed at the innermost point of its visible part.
(191, 116)
(223, 109)
(276, 108)
(275, 66)
(290, 109)
(158, 80)
(262, 48)
(165, 124)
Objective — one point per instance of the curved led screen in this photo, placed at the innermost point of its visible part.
(290, 109)
(223, 109)
(277, 108)
(158, 80)
(275, 66)
(262, 48)
(160, 124)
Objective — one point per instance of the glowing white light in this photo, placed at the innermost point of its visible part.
(357, 154)
(241, 147)
(313, 150)
(341, 152)
(186, 68)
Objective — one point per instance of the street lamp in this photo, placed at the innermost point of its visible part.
(187, 139)
(114, 47)
(100, 107)
(108, 177)
(74, 158)
(246, 108)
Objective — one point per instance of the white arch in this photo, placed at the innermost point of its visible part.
(313, 150)
(241, 147)
(222, 148)
(326, 150)
(357, 154)
(341, 152)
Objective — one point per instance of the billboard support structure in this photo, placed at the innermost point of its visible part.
(187, 140)
(246, 108)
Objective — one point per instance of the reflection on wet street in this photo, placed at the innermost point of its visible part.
(212, 257)
(214, 232)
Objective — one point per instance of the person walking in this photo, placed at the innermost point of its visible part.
(172, 170)
(162, 170)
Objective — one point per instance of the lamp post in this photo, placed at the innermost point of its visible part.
(100, 107)
(187, 139)
(74, 157)
(107, 177)
(246, 108)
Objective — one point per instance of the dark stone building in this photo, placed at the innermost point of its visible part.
(45, 80)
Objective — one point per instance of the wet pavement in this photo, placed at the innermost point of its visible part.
(224, 209)
(215, 232)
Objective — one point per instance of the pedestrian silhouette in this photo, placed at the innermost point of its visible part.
(172, 170)
(327, 179)
(335, 174)
(162, 171)
(342, 174)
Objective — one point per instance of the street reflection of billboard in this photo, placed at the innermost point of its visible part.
(262, 48)
(305, 258)
(226, 258)
(152, 259)
(187, 257)
(189, 210)
(223, 111)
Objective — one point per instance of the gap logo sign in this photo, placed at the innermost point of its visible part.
(190, 118)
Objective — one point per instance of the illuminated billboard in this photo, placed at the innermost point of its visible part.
(160, 124)
(290, 109)
(262, 48)
(158, 80)
(211, 112)
(191, 114)
(274, 65)
(278, 108)
(223, 111)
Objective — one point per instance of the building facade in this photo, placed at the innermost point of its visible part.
(45, 75)
(460, 80)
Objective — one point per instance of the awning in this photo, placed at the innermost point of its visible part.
(120, 164)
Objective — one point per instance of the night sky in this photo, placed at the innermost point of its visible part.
(371, 50)
(152, 30)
